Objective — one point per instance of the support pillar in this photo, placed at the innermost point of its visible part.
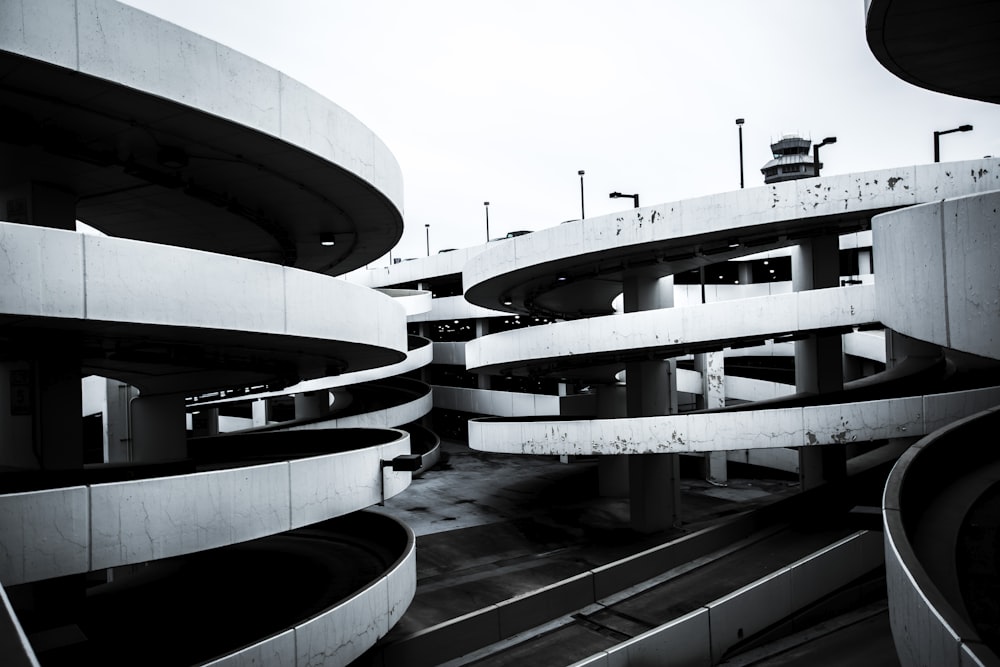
(260, 412)
(819, 365)
(212, 421)
(712, 367)
(311, 404)
(119, 418)
(612, 470)
(158, 428)
(483, 381)
(745, 273)
(651, 390)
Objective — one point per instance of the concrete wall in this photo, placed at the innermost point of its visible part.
(496, 402)
(416, 358)
(421, 268)
(342, 633)
(454, 308)
(389, 417)
(866, 344)
(451, 353)
(84, 528)
(690, 295)
(703, 636)
(113, 41)
(699, 638)
(943, 257)
(737, 213)
(120, 280)
(414, 302)
(759, 429)
(926, 628)
(675, 328)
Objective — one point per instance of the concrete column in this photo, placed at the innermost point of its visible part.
(745, 273)
(612, 471)
(864, 261)
(158, 428)
(651, 390)
(212, 421)
(119, 418)
(819, 366)
(260, 412)
(483, 381)
(203, 422)
(712, 367)
(311, 404)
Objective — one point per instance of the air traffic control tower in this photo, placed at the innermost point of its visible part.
(791, 160)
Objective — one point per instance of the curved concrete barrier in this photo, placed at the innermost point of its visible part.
(838, 423)
(943, 257)
(339, 635)
(926, 627)
(703, 636)
(78, 529)
(674, 331)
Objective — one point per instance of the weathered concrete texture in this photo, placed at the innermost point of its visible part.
(119, 280)
(674, 328)
(758, 429)
(142, 520)
(113, 41)
(944, 258)
(735, 212)
(926, 626)
(496, 402)
(52, 542)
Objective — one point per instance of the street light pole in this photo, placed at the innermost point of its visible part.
(937, 137)
(427, 229)
(619, 195)
(487, 205)
(582, 214)
(739, 125)
(816, 163)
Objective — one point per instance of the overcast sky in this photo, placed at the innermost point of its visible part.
(506, 101)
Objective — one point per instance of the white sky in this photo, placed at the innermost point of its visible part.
(505, 101)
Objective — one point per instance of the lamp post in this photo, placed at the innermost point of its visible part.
(739, 125)
(937, 142)
(582, 215)
(816, 163)
(487, 205)
(619, 195)
(427, 230)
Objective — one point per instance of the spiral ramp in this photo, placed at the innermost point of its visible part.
(227, 196)
(576, 270)
(939, 509)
